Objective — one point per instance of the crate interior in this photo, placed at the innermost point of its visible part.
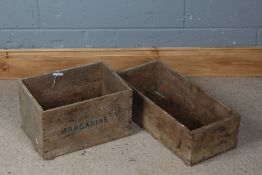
(184, 101)
(76, 85)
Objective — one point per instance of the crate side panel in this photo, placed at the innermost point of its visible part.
(189, 96)
(86, 124)
(78, 76)
(111, 82)
(215, 139)
(31, 118)
(69, 95)
(142, 77)
(174, 109)
(162, 126)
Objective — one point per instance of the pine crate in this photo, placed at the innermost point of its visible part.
(86, 106)
(180, 114)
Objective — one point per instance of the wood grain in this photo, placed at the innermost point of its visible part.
(189, 61)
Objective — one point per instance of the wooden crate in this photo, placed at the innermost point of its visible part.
(180, 114)
(86, 106)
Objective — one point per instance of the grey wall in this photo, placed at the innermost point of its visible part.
(130, 23)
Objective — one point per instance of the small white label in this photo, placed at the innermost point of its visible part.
(58, 74)
(55, 75)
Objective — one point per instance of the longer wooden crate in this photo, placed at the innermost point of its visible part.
(85, 106)
(180, 114)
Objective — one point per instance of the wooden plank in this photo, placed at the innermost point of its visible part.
(19, 63)
(31, 117)
(115, 124)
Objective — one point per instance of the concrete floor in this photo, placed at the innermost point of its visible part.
(139, 153)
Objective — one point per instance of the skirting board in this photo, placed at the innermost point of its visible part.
(20, 63)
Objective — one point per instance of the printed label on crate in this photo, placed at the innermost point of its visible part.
(84, 125)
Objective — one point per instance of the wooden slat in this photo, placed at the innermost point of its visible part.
(18, 63)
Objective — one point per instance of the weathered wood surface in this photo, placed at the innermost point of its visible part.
(180, 114)
(21, 63)
(31, 117)
(85, 124)
(76, 112)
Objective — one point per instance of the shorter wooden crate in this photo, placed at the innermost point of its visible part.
(179, 114)
(86, 106)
